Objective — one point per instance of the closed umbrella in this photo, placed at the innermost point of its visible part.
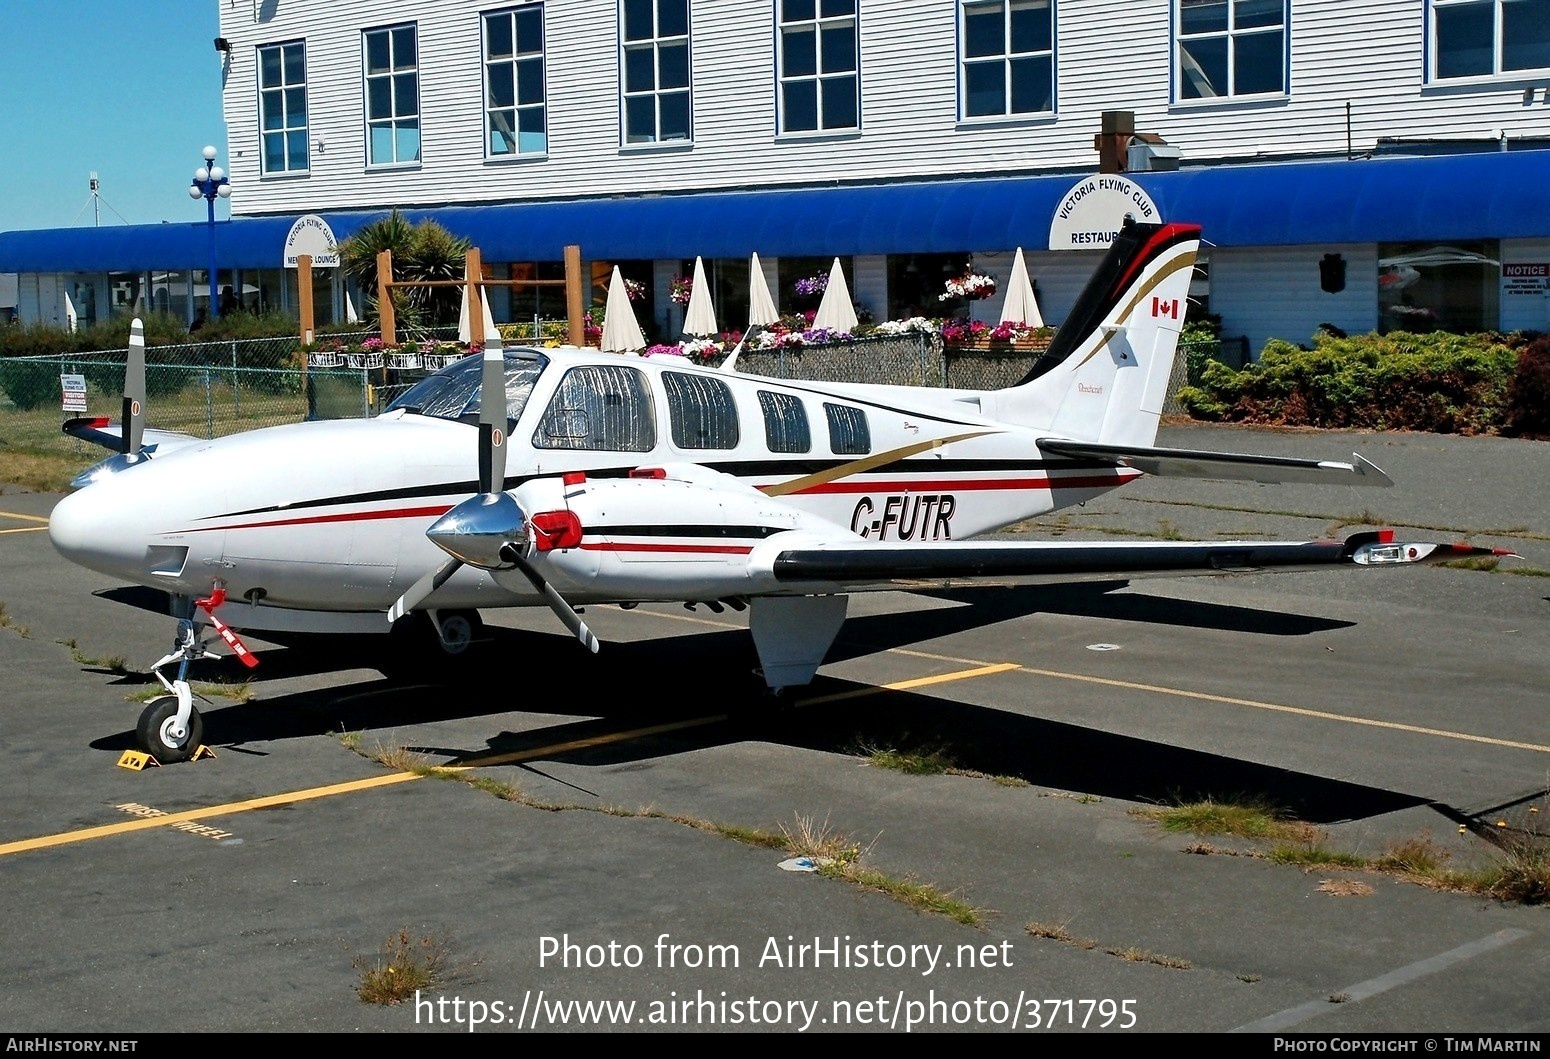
(761, 307)
(465, 331)
(761, 310)
(835, 311)
(700, 317)
(1021, 306)
(621, 331)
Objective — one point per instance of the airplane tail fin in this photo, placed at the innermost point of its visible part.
(1105, 374)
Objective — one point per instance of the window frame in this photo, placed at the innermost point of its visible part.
(657, 93)
(817, 24)
(515, 61)
(787, 429)
(1499, 71)
(644, 439)
(287, 128)
(848, 423)
(690, 402)
(1232, 34)
(395, 122)
(1008, 57)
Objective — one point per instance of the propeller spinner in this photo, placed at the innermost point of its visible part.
(489, 531)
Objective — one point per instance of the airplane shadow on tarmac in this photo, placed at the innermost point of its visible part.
(708, 677)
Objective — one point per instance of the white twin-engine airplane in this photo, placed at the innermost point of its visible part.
(621, 480)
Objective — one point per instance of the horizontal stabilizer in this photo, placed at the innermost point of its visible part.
(1199, 463)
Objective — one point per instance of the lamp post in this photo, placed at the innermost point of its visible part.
(210, 183)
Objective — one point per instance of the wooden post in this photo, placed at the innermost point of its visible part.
(473, 277)
(385, 296)
(304, 295)
(573, 303)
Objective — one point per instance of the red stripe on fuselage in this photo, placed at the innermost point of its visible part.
(343, 516)
(697, 549)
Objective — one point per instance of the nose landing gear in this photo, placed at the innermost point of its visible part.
(170, 728)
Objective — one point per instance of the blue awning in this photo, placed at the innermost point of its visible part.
(1496, 195)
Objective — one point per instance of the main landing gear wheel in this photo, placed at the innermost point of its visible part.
(158, 735)
(459, 629)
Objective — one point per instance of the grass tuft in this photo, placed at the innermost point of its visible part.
(1243, 817)
(1135, 955)
(405, 966)
(1058, 932)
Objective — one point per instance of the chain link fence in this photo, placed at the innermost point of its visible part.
(211, 389)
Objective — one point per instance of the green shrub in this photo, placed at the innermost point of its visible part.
(29, 385)
(1442, 383)
(1528, 399)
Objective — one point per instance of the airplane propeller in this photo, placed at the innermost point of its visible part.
(490, 530)
(133, 422)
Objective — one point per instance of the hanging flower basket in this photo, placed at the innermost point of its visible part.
(971, 286)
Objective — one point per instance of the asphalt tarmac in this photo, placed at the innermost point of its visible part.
(591, 873)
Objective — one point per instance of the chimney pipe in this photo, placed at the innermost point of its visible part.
(1113, 142)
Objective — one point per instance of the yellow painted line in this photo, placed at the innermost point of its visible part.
(146, 823)
(25, 518)
(918, 682)
(1298, 711)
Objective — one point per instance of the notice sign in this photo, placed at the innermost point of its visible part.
(1525, 278)
(74, 389)
(1091, 214)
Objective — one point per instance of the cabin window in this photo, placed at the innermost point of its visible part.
(282, 107)
(1228, 48)
(701, 411)
(392, 67)
(516, 115)
(785, 422)
(1008, 57)
(1488, 38)
(599, 408)
(849, 434)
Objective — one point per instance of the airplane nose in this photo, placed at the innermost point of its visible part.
(92, 534)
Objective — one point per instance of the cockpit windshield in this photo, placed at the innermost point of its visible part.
(453, 392)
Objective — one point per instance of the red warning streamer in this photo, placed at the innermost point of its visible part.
(217, 597)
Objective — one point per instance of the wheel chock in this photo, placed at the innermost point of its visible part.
(201, 751)
(137, 761)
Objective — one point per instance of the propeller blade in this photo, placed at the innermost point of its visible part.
(132, 425)
(562, 609)
(422, 588)
(492, 419)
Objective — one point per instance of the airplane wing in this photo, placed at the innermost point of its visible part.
(1198, 463)
(845, 566)
(100, 431)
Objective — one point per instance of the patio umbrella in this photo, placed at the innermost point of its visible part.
(621, 331)
(836, 312)
(700, 317)
(761, 310)
(761, 307)
(1020, 306)
(464, 328)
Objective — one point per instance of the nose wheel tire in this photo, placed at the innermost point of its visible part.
(158, 735)
(459, 629)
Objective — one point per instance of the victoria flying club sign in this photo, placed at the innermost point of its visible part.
(1091, 214)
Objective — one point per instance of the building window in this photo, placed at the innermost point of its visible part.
(785, 422)
(392, 95)
(1429, 287)
(516, 116)
(1484, 38)
(849, 434)
(1229, 48)
(282, 106)
(819, 64)
(656, 70)
(1008, 49)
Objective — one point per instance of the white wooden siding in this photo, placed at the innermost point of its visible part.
(1110, 54)
(1274, 292)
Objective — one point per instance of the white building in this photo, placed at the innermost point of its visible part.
(1370, 163)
